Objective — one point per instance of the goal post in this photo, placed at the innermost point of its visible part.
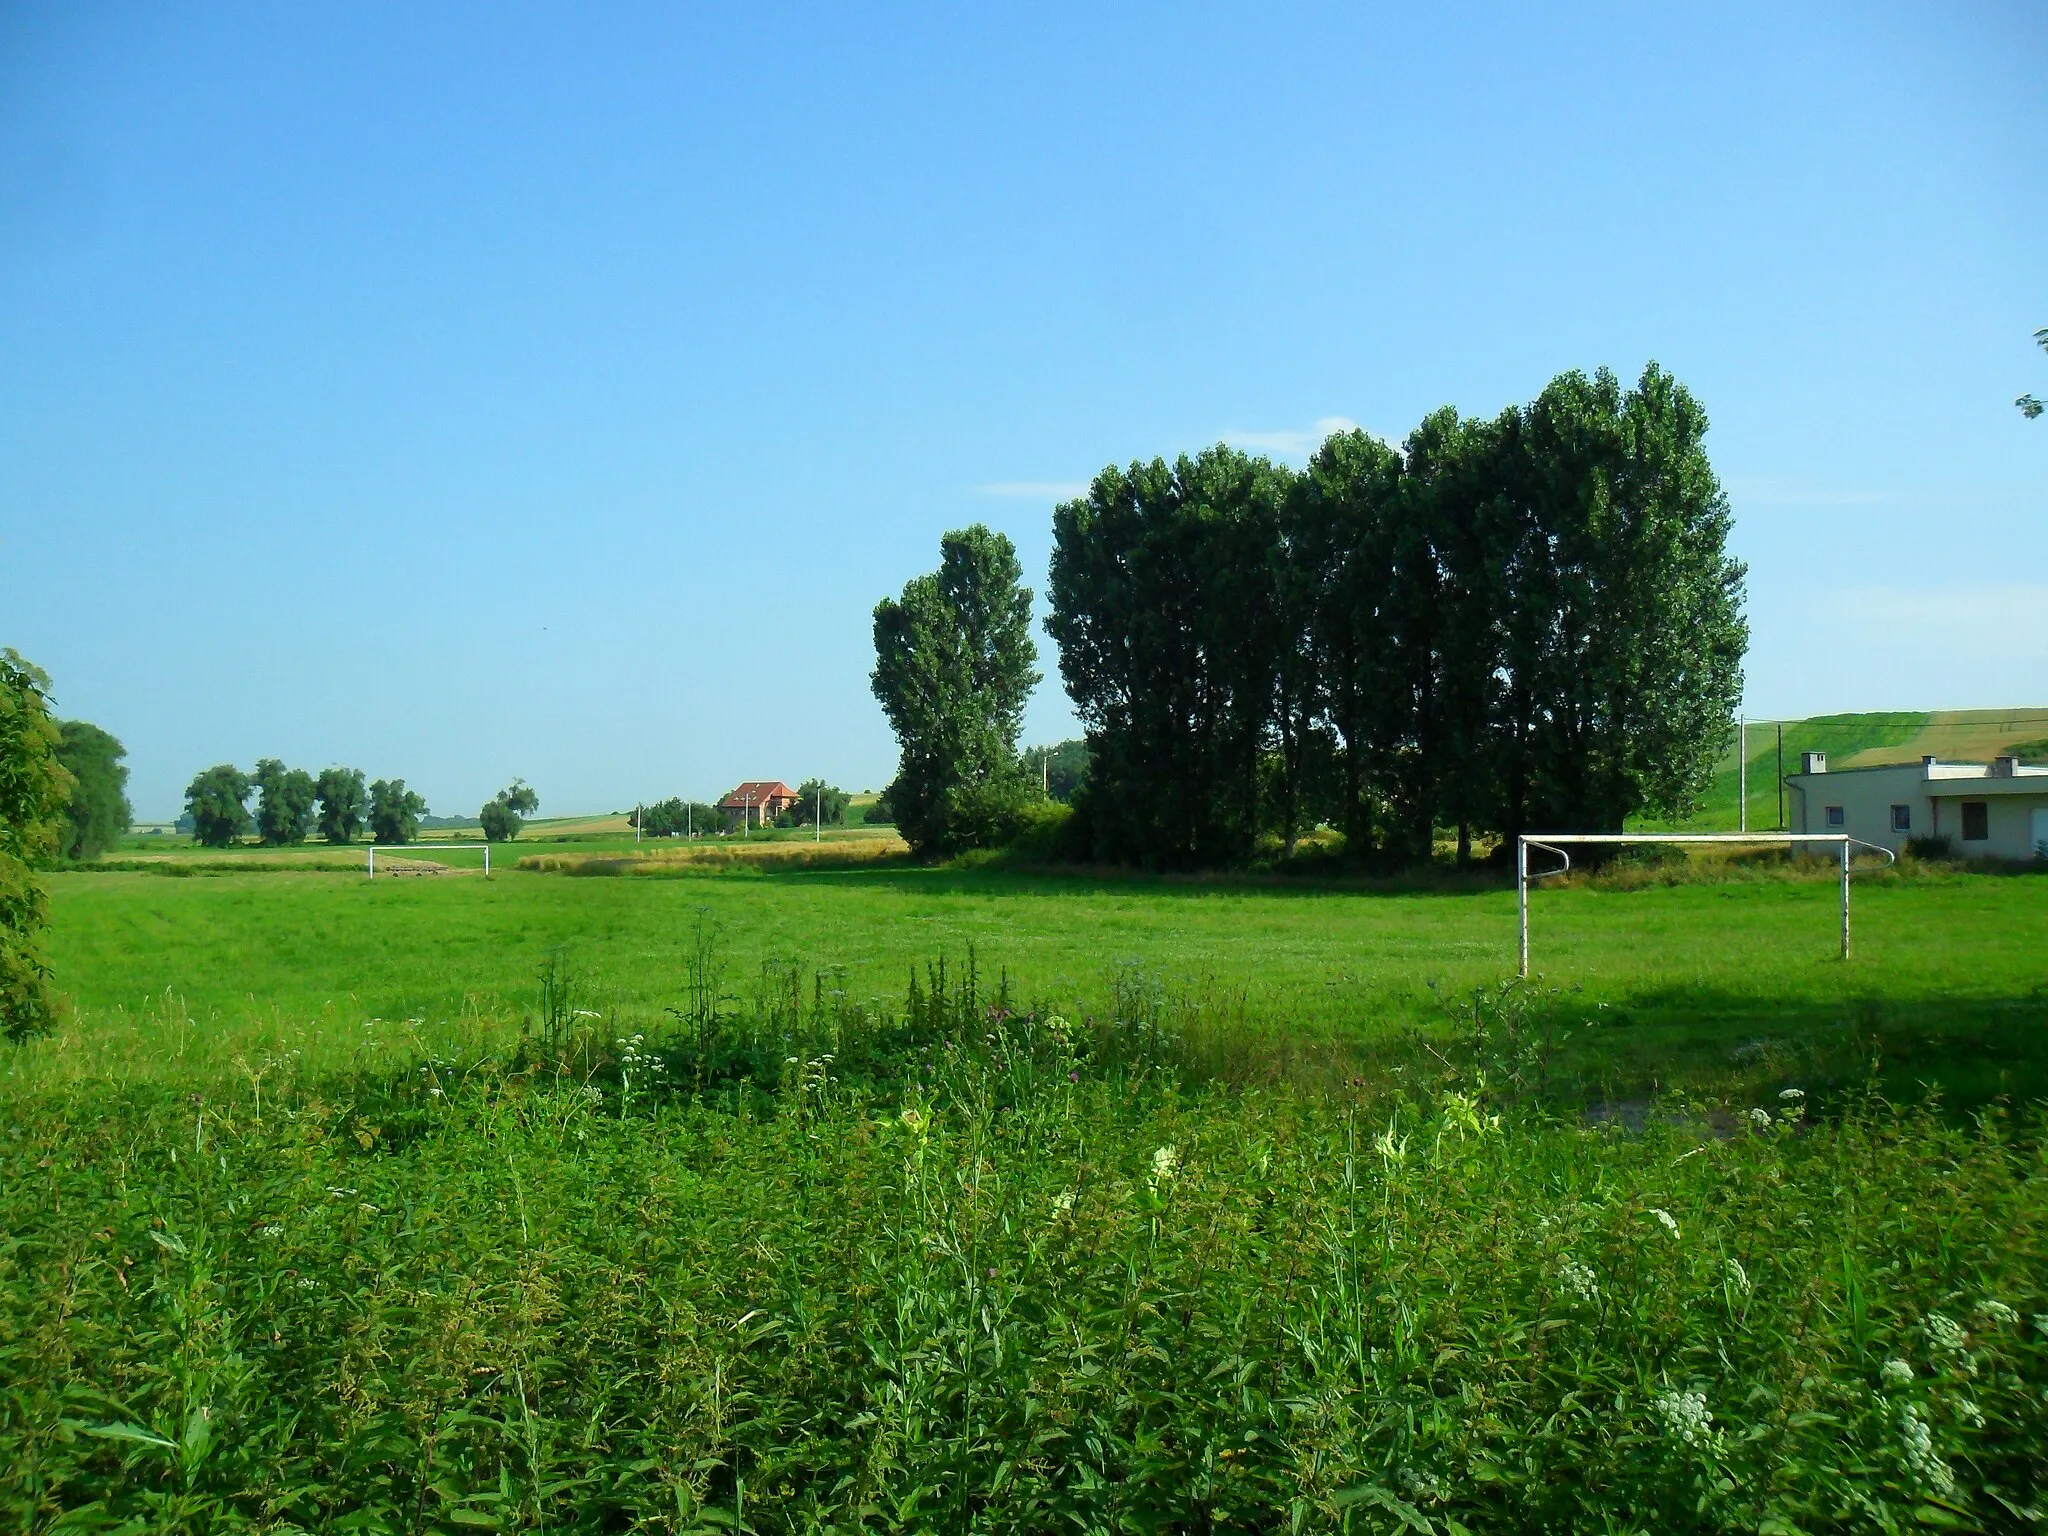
(1558, 842)
(370, 869)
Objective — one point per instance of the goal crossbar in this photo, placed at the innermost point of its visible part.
(376, 848)
(1557, 842)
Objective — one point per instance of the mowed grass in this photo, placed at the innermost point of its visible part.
(1946, 984)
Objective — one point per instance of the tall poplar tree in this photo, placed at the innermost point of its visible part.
(1623, 630)
(1165, 608)
(954, 664)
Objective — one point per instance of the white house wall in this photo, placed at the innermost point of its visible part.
(1867, 796)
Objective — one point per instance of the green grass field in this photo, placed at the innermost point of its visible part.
(670, 1202)
(1948, 975)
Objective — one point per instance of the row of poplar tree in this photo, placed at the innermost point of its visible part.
(1529, 621)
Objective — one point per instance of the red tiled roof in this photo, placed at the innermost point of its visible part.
(756, 792)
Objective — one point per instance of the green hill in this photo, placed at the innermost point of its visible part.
(1857, 741)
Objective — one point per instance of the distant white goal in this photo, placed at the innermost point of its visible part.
(370, 869)
(1556, 842)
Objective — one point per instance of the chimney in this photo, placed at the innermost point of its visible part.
(1813, 762)
(2005, 767)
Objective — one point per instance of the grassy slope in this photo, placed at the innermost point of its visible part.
(1951, 968)
(1855, 741)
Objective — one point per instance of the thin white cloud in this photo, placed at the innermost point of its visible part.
(1295, 444)
(1035, 490)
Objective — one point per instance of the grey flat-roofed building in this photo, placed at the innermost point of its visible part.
(1994, 810)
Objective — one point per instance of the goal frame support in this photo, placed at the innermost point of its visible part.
(1557, 842)
(370, 869)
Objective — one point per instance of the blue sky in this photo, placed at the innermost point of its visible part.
(469, 392)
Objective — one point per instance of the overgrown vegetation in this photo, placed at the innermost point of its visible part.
(789, 1262)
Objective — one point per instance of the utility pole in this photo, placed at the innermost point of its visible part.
(1742, 775)
(1781, 775)
(636, 826)
(1045, 775)
(818, 814)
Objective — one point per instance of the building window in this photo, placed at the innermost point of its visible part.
(1976, 821)
(1835, 818)
(1902, 818)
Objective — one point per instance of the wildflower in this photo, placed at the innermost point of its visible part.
(1669, 1221)
(1922, 1460)
(274, 1229)
(1759, 1117)
(1946, 1334)
(1969, 1413)
(592, 1092)
(1895, 1372)
(1165, 1165)
(308, 1284)
(1739, 1276)
(1685, 1416)
(1579, 1280)
(1063, 1203)
(1790, 1094)
(1997, 1311)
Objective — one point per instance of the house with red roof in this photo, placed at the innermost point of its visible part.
(756, 803)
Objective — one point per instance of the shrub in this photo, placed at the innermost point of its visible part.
(1930, 848)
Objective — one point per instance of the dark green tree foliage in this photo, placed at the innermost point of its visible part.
(503, 812)
(395, 812)
(1518, 623)
(676, 817)
(954, 663)
(1623, 631)
(343, 803)
(99, 811)
(284, 807)
(808, 800)
(1165, 610)
(34, 792)
(217, 800)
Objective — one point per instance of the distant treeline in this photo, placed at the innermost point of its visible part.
(1522, 622)
(292, 804)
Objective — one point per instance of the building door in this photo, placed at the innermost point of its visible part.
(2037, 833)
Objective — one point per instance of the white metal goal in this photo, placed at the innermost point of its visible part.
(376, 848)
(1556, 842)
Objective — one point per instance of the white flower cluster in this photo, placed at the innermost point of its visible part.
(1895, 1373)
(1579, 1280)
(1997, 1311)
(1738, 1276)
(1669, 1221)
(1759, 1117)
(1947, 1336)
(1922, 1460)
(1685, 1416)
(1165, 1166)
